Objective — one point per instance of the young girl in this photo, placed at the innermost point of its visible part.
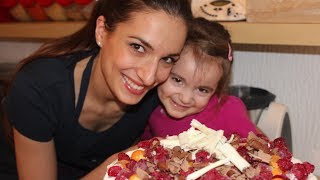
(196, 87)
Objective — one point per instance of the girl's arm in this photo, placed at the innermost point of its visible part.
(35, 160)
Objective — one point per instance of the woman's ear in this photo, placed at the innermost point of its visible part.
(100, 30)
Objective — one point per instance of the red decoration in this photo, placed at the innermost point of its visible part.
(45, 3)
(65, 2)
(83, 2)
(27, 3)
(34, 10)
(8, 3)
(5, 15)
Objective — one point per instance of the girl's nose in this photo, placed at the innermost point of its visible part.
(186, 96)
(147, 72)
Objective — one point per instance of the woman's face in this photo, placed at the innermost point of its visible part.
(188, 89)
(139, 53)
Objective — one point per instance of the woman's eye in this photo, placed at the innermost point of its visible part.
(137, 47)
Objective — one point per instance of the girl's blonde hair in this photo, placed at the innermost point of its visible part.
(211, 39)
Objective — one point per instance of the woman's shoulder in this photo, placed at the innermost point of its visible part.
(44, 66)
(53, 68)
(42, 73)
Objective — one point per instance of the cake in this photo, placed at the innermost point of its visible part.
(203, 153)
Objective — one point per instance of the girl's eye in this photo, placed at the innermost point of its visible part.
(137, 47)
(170, 60)
(203, 90)
(177, 80)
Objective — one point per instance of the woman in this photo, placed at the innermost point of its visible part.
(84, 97)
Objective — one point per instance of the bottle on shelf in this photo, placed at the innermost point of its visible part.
(16, 10)
(71, 10)
(53, 10)
(35, 11)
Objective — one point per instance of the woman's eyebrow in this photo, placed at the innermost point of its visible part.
(145, 43)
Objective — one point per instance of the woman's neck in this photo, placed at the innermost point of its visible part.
(100, 109)
(98, 90)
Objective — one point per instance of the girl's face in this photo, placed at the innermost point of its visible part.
(189, 87)
(139, 53)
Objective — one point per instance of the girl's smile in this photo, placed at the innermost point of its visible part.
(178, 107)
(190, 86)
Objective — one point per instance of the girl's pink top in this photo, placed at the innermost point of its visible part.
(231, 117)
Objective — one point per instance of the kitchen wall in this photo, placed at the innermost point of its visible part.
(292, 73)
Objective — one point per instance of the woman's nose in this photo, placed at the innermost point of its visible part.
(147, 72)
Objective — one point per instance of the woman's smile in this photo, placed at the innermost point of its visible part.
(133, 86)
(134, 58)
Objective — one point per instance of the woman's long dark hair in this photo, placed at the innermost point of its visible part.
(115, 12)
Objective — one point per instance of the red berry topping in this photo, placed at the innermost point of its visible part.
(299, 171)
(144, 144)
(131, 164)
(243, 151)
(284, 153)
(309, 167)
(123, 156)
(279, 143)
(214, 174)
(186, 173)
(285, 164)
(114, 170)
(161, 154)
(202, 156)
(124, 174)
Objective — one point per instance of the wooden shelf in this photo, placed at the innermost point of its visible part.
(37, 30)
(241, 32)
(274, 34)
